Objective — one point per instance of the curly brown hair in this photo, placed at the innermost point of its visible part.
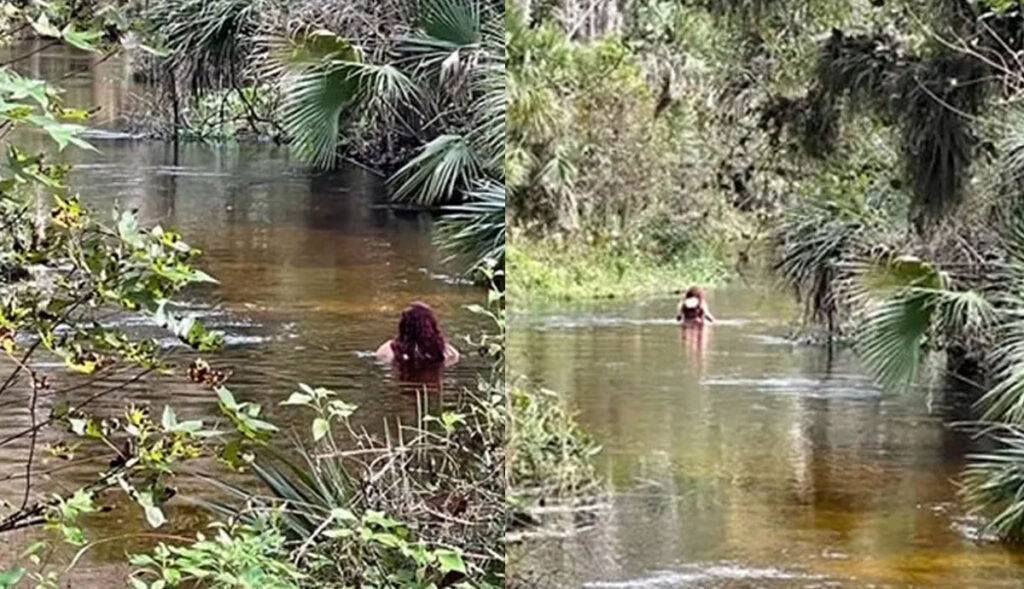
(420, 340)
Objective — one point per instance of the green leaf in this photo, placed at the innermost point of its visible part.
(451, 560)
(43, 27)
(11, 577)
(446, 164)
(200, 276)
(226, 398)
(389, 540)
(78, 426)
(81, 39)
(169, 419)
(154, 515)
(320, 428)
(192, 426)
(141, 560)
(342, 514)
(378, 518)
(61, 133)
(297, 399)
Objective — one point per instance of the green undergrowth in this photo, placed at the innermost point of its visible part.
(541, 270)
(548, 454)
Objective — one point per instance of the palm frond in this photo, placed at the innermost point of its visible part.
(906, 301)
(307, 490)
(439, 171)
(1012, 146)
(559, 173)
(206, 33)
(892, 275)
(890, 338)
(449, 36)
(963, 312)
(475, 230)
(384, 88)
(314, 103)
(993, 483)
(488, 113)
(520, 163)
(1005, 400)
(289, 54)
(533, 108)
(813, 241)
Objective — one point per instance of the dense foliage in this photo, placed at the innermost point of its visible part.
(415, 89)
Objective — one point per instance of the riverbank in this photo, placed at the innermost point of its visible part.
(547, 271)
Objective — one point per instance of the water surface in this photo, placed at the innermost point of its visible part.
(739, 459)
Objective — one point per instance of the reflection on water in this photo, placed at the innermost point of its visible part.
(314, 272)
(741, 460)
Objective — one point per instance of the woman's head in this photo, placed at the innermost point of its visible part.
(693, 292)
(420, 339)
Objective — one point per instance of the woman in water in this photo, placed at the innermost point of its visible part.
(420, 343)
(693, 309)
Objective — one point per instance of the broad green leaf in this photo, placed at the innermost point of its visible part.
(43, 27)
(342, 514)
(169, 419)
(297, 399)
(11, 578)
(81, 39)
(320, 428)
(451, 560)
(226, 398)
(154, 515)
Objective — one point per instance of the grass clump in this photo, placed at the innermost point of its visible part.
(544, 270)
(548, 453)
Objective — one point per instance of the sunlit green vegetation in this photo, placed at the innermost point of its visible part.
(608, 163)
(545, 270)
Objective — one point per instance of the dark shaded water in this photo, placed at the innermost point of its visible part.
(314, 271)
(741, 460)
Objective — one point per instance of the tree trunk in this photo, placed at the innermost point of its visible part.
(590, 19)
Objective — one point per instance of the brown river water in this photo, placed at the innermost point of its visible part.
(314, 271)
(738, 459)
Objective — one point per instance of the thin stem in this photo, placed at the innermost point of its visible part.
(32, 445)
(78, 407)
(29, 54)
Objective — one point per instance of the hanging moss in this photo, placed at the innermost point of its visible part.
(938, 100)
(813, 118)
(931, 99)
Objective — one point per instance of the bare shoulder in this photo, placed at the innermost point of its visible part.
(451, 355)
(385, 353)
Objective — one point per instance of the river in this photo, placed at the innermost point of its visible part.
(314, 272)
(739, 459)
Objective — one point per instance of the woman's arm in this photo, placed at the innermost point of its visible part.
(707, 313)
(385, 353)
(451, 355)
